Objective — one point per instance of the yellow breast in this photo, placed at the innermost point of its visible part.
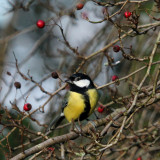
(93, 97)
(75, 106)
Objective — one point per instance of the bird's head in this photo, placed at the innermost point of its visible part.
(80, 81)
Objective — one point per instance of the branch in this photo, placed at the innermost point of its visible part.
(65, 137)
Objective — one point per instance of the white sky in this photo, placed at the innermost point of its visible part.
(79, 33)
(4, 16)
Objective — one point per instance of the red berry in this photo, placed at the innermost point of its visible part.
(114, 78)
(116, 48)
(50, 149)
(8, 73)
(27, 107)
(127, 14)
(40, 24)
(100, 109)
(54, 75)
(139, 158)
(17, 85)
(79, 6)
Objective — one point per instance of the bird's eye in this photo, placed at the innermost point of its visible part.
(77, 79)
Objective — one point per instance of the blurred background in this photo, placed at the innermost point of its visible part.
(39, 52)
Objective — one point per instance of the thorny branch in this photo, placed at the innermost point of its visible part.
(118, 133)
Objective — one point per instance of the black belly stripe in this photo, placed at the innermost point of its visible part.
(87, 109)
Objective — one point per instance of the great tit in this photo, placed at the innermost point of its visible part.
(79, 102)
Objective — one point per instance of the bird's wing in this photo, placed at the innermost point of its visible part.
(55, 122)
(65, 101)
(59, 116)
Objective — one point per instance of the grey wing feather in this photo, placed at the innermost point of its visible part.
(64, 104)
(59, 116)
(65, 101)
(56, 120)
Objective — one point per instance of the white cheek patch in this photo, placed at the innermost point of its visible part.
(82, 83)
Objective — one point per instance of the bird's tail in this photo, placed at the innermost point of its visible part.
(55, 122)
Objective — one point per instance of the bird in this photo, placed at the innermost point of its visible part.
(79, 102)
